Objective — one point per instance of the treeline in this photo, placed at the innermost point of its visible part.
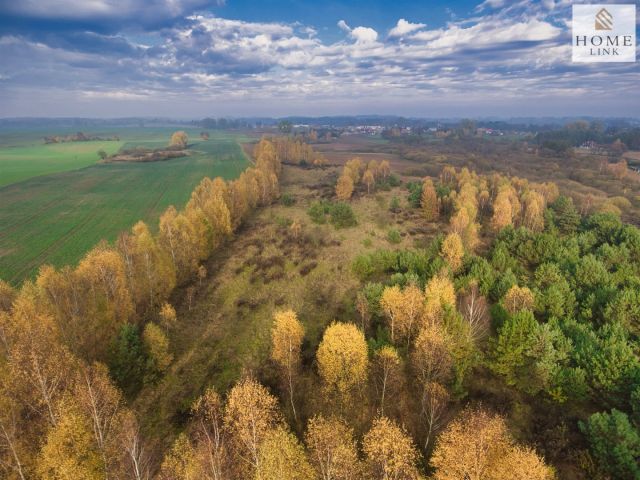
(79, 137)
(576, 133)
(356, 172)
(294, 151)
(66, 337)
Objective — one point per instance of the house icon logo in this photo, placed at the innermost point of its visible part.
(604, 20)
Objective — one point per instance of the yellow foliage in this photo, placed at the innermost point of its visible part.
(518, 298)
(281, 457)
(344, 187)
(332, 449)
(389, 451)
(179, 139)
(453, 251)
(342, 358)
(429, 201)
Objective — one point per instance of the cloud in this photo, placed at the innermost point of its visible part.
(519, 53)
(364, 35)
(404, 27)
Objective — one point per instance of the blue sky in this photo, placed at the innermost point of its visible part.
(191, 58)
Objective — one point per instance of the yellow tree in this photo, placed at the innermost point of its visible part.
(332, 449)
(149, 268)
(180, 462)
(502, 210)
(386, 371)
(452, 251)
(179, 139)
(431, 356)
(534, 211)
(344, 187)
(342, 358)
(434, 402)
(411, 309)
(282, 457)
(211, 451)
(69, 450)
(286, 342)
(167, 316)
(390, 452)
(369, 180)
(157, 344)
(429, 200)
(251, 412)
(354, 168)
(439, 294)
(385, 169)
(391, 302)
(178, 236)
(517, 299)
(478, 446)
(7, 295)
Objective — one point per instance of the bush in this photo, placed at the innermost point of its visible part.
(287, 200)
(415, 193)
(342, 215)
(393, 236)
(318, 211)
(394, 206)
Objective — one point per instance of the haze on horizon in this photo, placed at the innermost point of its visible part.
(194, 58)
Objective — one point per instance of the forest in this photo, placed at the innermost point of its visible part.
(484, 328)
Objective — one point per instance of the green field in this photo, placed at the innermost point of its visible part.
(56, 218)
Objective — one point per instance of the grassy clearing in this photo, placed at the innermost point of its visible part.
(57, 218)
(227, 330)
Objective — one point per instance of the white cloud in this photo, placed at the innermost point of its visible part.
(404, 27)
(343, 26)
(364, 35)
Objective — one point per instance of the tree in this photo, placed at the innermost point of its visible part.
(344, 187)
(209, 434)
(69, 450)
(502, 210)
(157, 346)
(391, 302)
(137, 459)
(477, 446)
(614, 442)
(98, 400)
(534, 204)
(517, 299)
(389, 452)
(282, 457)
(429, 201)
(168, 316)
(180, 462)
(7, 296)
(439, 294)
(516, 338)
(354, 168)
(286, 342)
(178, 236)
(386, 370)
(453, 251)
(342, 358)
(431, 356)
(102, 154)
(473, 307)
(250, 414)
(179, 139)
(369, 180)
(385, 169)
(434, 402)
(332, 449)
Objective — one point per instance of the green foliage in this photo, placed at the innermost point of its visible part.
(342, 215)
(515, 338)
(388, 183)
(339, 214)
(128, 360)
(565, 216)
(393, 236)
(394, 205)
(615, 444)
(288, 200)
(415, 193)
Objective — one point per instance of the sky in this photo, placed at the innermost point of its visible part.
(195, 58)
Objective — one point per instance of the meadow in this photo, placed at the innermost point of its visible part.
(55, 218)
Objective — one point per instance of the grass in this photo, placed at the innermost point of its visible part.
(57, 218)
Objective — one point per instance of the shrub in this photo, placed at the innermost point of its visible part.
(318, 211)
(287, 200)
(342, 215)
(393, 236)
(394, 206)
(415, 193)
